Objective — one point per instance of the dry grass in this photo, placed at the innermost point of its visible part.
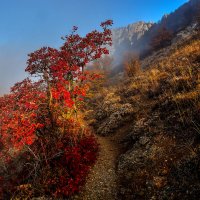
(165, 99)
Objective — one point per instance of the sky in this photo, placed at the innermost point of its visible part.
(27, 25)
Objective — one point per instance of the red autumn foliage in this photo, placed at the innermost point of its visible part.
(71, 168)
(19, 111)
(38, 116)
(62, 174)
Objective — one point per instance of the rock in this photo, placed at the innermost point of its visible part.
(116, 119)
(144, 140)
(128, 36)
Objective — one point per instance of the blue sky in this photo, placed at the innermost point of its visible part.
(26, 25)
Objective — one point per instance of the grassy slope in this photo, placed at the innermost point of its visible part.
(160, 109)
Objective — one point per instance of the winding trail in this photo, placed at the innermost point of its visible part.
(101, 182)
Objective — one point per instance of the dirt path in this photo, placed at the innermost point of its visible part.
(102, 181)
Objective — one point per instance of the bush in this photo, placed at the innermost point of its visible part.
(60, 175)
(162, 39)
(132, 65)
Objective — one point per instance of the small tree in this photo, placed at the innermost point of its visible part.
(132, 65)
(162, 38)
(62, 71)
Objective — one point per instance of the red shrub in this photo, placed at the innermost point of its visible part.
(66, 173)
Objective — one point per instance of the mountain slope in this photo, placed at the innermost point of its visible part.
(160, 109)
(155, 114)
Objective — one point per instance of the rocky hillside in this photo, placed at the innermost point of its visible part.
(158, 109)
(151, 120)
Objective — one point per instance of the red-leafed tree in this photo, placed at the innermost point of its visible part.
(62, 85)
(40, 116)
(63, 70)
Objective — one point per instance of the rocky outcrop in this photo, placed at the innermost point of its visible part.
(116, 119)
(111, 114)
(127, 38)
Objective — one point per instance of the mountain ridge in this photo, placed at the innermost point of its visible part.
(137, 37)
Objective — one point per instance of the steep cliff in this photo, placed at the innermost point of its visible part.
(127, 38)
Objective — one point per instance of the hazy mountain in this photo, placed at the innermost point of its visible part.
(127, 38)
(137, 36)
